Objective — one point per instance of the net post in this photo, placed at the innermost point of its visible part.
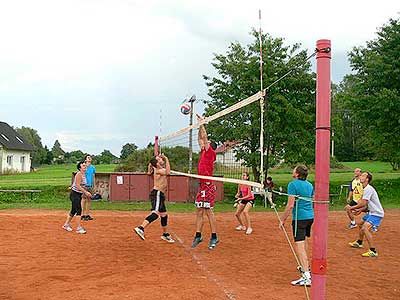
(322, 165)
(156, 145)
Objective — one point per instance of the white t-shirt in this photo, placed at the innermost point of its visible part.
(374, 205)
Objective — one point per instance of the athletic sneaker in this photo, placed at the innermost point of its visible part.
(80, 230)
(167, 238)
(355, 244)
(351, 226)
(213, 243)
(302, 281)
(370, 253)
(89, 218)
(139, 232)
(249, 230)
(196, 241)
(240, 227)
(374, 229)
(67, 227)
(83, 218)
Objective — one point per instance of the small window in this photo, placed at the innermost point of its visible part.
(19, 140)
(6, 138)
(9, 160)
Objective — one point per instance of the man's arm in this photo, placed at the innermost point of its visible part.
(167, 169)
(288, 210)
(202, 135)
(362, 203)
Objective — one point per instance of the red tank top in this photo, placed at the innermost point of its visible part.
(246, 190)
(206, 163)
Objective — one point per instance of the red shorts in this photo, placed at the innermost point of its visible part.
(206, 196)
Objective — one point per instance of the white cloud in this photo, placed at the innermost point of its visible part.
(97, 73)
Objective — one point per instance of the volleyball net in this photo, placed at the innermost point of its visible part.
(182, 146)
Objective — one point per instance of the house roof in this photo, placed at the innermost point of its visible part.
(225, 147)
(10, 139)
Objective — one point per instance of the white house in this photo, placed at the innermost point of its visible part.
(225, 155)
(15, 152)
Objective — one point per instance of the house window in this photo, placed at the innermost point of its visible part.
(9, 160)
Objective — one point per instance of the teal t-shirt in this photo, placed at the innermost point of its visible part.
(90, 171)
(303, 208)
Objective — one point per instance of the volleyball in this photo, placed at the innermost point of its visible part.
(185, 108)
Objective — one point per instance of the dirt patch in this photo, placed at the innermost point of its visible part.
(39, 260)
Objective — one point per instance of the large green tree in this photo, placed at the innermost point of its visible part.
(374, 95)
(290, 103)
(127, 150)
(38, 155)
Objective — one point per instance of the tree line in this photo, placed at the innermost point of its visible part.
(56, 155)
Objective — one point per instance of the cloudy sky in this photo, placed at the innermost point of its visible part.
(97, 74)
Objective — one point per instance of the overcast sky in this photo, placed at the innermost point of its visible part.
(97, 74)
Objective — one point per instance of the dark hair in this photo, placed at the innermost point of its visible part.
(302, 172)
(369, 176)
(269, 178)
(154, 162)
(247, 175)
(213, 145)
(78, 166)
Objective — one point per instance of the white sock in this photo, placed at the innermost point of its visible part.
(353, 222)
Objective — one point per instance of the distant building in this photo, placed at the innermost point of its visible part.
(225, 155)
(15, 152)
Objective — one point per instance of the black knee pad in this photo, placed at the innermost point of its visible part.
(164, 221)
(152, 217)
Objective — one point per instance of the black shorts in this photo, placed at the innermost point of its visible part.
(244, 202)
(303, 229)
(157, 199)
(352, 203)
(76, 207)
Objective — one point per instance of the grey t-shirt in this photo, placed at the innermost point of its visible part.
(374, 205)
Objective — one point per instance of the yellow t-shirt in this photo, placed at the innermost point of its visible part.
(357, 189)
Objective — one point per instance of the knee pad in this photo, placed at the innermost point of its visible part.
(152, 217)
(164, 221)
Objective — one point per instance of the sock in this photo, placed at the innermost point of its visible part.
(198, 234)
(353, 222)
(373, 250)
(213, 235)
(359, 242)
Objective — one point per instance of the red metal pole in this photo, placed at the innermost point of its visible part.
(322, 159)
(156, 145)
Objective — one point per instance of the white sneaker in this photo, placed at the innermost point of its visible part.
(80, 230)
(67, 227)
(139, 232)
(249, 230)
(168, 238)
(302, 281)
(240, 227)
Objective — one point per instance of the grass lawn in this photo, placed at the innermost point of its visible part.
(54, 182)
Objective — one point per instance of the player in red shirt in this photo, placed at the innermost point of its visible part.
(206, 194)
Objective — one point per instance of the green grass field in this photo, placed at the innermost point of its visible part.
(55, 180)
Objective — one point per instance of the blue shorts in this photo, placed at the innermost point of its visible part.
(374, 220)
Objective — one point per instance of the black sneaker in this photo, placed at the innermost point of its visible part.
(89, 218)
(84, 218)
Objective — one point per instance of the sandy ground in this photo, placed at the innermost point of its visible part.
(39, 260)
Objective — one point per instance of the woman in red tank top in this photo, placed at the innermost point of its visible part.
(244, 202)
